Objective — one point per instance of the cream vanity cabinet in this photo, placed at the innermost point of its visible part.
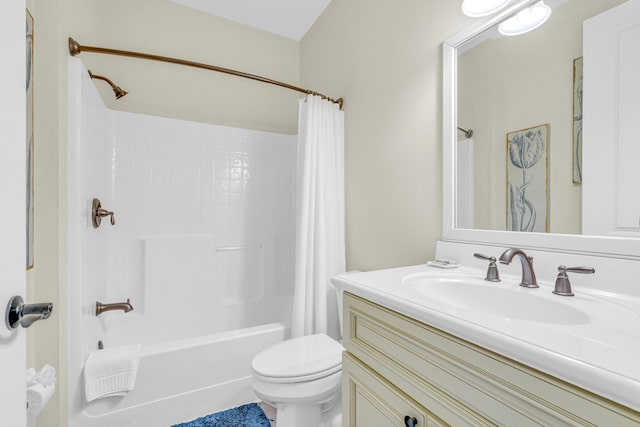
(398, 371)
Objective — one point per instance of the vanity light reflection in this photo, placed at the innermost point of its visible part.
(526, 20)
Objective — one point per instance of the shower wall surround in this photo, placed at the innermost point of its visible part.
(206, 213)
(205, 223)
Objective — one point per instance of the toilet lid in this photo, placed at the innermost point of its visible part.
(299, 359)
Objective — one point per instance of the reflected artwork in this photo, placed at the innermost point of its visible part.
(527, 183)
(577, 121)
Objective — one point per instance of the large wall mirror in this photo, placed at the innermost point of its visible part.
(530, 175)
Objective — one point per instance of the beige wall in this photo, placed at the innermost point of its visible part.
(46, 344)
(384, 58)
(151, 26)
(167, 29)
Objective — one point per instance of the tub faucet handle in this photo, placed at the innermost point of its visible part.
(98, 212)
(492, 271)
(563, 286)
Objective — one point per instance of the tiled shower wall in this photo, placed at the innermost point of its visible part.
(203, 179)
(205, 224)
(209, 214)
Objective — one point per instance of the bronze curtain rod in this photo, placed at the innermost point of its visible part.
(75, 49)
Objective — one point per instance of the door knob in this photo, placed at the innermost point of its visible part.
(19, 313)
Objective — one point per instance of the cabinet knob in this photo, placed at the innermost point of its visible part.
(410, 421)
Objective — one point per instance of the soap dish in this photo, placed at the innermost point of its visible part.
(443, 263)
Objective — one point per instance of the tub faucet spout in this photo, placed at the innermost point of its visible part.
(124, 306)
(528, 275)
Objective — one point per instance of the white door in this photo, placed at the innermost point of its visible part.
(611, 148)
(12, 208)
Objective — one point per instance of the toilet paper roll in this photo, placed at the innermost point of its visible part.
(37, 397)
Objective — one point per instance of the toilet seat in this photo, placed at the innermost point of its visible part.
(300, 359)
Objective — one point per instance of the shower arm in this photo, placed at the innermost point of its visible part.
(119, 92)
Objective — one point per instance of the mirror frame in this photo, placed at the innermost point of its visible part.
(609, 246)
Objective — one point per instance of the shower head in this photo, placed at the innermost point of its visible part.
(117, 90)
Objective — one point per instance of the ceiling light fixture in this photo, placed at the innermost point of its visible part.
(477, 8)
(526, 20)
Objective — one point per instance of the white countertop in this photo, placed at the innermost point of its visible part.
(601, 355)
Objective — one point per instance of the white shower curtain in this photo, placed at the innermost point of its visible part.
(320, 247)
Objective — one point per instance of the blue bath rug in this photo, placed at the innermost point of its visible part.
(249, 415)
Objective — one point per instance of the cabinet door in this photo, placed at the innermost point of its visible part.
(610, 203)
(370, 401)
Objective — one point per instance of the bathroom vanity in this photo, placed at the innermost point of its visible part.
(418, 357)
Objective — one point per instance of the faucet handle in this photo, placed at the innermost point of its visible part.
(492, 272)
(583, 270)
(563, 286)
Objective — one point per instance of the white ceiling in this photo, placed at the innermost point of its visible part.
(288, 18)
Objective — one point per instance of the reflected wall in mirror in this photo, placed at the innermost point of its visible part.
(509, 83)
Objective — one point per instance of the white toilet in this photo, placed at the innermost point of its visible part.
(302, 379)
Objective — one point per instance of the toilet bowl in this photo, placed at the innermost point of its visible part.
(301, 378)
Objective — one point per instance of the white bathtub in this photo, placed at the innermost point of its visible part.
(182, 380)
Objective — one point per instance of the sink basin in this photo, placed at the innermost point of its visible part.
(504, 299)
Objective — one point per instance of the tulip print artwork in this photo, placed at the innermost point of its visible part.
(577, 121)
(527, 204)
